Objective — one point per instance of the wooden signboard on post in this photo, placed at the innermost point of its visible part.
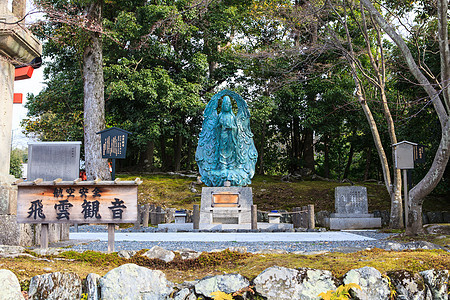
(74, 202)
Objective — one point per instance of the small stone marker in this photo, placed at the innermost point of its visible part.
(352, 209)
(274, 217)
(180, 216)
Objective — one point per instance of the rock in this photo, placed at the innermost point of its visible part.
(228, 283)
(435, 217)
(92, 287)
(437, 228)
(130, 281)
(373, 285)
(394, 246)
(241, 249)
(446, 216)
(48, 251)
(160, 253)
(188, 254)
(55, 286)
(185, 294)
(320, 218)
(409, 286)
(436, 281)
(9, 286)
(279, 283)
(271, 251)
(422, 245)
(126, 253)
(47, 269)
(6, 250)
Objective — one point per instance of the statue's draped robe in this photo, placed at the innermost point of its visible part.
(226, 151)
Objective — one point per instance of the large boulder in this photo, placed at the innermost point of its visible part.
(9, 286)
(284, 283)
(132, 282)
(409, 286)
(228, 283)
(92, 286)
(373, 285)
(55, 286)
(437, 282)
(160, 253)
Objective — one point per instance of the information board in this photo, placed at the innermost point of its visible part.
(77, 203)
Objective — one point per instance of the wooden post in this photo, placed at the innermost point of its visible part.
(311, 221)
(113, 165)
(146, 214)
(254, 215)
(405, 192)
(111, 237)
(296, 217)
(44, 236)
(196, 217)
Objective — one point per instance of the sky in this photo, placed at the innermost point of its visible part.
(33, 85)
(27, 86)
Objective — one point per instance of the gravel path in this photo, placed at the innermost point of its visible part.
(381, 241)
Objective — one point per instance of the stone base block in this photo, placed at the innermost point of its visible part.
(336, 215)
(354, 223)
(172, 227)
(12, 233)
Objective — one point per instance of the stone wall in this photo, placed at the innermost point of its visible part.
(131, 281)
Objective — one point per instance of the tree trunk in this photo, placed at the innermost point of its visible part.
(308, 153)
(428, 183)
(94, 102)
(435, 173)
(368, 161)
(349, 162)
(261, 150)
(295, 143)
(149, 155)
(326, 162)
(189, 155)
(162, 145)
(177, 144)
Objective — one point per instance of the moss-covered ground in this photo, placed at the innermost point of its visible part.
(248, 265)
(269, 192)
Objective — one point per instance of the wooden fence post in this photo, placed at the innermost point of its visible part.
(196, 217)
(311, 221)
(111, 237)
(254, 216)
(146, 215)
(44, 235)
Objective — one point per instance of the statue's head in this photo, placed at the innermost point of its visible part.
(226, 104)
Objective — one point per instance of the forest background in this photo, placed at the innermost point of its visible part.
(295, 63)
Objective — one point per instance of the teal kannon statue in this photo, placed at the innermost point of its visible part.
(226, 151)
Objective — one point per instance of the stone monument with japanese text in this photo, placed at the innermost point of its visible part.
(17, 47)
(352, 211)
(226, 157)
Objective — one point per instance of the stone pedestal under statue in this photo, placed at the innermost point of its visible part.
(226, 205)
